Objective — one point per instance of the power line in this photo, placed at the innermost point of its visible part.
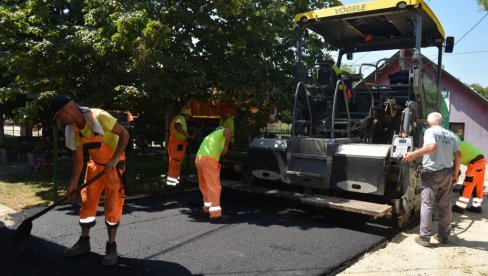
(471, 28)
(465, 34)
(460, 53)
(360, 58)
(464, 53)
(354, 65)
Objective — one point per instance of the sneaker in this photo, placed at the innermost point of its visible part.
(82, 246)
(443, 240)
(423, 241)
(474, 209)
(110, 257)
(457, 209)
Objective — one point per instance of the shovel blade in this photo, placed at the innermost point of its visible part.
(22, 232)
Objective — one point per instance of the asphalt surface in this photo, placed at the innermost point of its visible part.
(168, 235)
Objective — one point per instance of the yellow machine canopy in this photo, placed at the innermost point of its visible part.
(375, 25)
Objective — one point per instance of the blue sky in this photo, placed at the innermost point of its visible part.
(469, 60)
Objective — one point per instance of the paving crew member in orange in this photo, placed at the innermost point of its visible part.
(178, 141)
(226, 121)
(212, 148)
(105, 140)
(475, 176)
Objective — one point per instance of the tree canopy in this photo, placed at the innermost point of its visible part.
(483, 4)
(144, 56)
(483, 91)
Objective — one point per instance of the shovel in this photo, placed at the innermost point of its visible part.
(24, 229)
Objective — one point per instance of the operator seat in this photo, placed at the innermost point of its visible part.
(326, 76)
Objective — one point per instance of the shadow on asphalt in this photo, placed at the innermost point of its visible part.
(256, 209)
(244, 208)
(36, 256)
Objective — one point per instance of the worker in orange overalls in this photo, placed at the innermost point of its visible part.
(105, 140)
(178, 141)
(474, 178)
(212, 148)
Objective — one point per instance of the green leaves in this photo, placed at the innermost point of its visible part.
(147, 55)
(483, 91)
(483, 4)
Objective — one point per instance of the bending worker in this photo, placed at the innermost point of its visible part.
(212, 148)
(475, 177)
(178, 141)
(105, 140)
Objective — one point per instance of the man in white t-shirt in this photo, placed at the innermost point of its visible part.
(439, 172)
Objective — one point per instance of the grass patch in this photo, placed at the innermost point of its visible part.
(24, 190)
(146, 171)
(20, 195)
(28, 189)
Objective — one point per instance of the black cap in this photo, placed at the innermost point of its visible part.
(58, 102)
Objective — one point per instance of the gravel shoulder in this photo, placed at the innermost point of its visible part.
(467, 255)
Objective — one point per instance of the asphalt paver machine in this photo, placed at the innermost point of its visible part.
(349, 133)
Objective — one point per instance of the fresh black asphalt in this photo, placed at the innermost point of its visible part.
(168, 235)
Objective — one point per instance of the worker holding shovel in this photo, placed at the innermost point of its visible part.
(105, 140)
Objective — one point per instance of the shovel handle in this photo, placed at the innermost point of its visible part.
(56, 203)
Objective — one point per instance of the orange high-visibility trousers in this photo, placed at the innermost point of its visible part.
(209, 183)
(474, 180)
(111, 185)
(176, 155)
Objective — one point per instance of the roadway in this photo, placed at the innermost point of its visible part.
(167, 235)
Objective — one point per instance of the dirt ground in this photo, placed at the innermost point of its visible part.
(467, 255)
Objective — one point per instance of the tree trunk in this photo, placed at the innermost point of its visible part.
(26, 129)
(2, 130)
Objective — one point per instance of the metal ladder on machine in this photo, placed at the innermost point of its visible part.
(302, 122)
(342, 121)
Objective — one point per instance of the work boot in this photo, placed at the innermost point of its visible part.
(474, 209)
(443, 240)
(110, 257)
(457, 209)
(423, 241)
(82, 246)
(220, 219)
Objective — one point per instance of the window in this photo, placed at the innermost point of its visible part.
(457, 128)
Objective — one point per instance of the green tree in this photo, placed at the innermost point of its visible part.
(147, 56)
(483, 4)
(483, 91)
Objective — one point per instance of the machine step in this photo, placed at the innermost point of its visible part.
(308, 156)
(305, 174)
(349, 205)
